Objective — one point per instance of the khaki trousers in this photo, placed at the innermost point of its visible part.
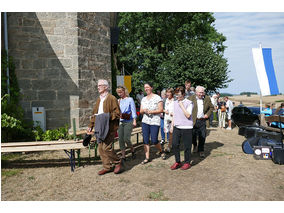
(107, 153)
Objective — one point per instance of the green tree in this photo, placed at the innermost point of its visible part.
(148, 40)
(195, 60)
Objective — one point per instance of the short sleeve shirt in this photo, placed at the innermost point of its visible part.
(151, 104)
(229, 105)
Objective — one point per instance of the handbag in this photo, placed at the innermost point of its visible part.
(87, 139)
(126, 116)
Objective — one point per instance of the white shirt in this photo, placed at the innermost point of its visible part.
(214, 101)
(151, 104)
(169, 106)
(229, 105)
(101, 106)
(200, 107)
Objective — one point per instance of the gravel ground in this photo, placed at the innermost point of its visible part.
(225, 174)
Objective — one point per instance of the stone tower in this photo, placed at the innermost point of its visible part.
(59, 57)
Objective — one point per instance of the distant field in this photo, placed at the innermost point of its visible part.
(253, 100)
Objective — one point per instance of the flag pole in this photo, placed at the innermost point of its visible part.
(260, 101)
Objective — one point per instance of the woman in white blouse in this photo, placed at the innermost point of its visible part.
(151, 107)
(169, 109)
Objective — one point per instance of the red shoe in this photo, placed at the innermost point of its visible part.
(175, 166)
(103, 171)
(185, 166)
(118, 169)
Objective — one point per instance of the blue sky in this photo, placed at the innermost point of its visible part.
(243, 32)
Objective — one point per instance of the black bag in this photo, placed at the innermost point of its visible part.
(250, 131)
(278, 155)
(249, 144)
(87, 139)
(278, 152)
(262, 152)
(271, 135)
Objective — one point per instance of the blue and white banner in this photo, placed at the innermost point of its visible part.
(265, 71)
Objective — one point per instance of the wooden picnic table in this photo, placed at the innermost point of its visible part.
(72, 145)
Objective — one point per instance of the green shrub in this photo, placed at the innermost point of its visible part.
(51, 135)
(13, 127)
(38, 133)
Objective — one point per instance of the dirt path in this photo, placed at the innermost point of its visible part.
(225, 174)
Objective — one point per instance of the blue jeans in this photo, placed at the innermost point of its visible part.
(162, 131)
(150, 130)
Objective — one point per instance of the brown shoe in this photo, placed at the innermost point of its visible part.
(118, 169)
(103, 171)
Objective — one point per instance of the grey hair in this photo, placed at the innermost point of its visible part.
(200, 88)
(105, 82)
(163, 92)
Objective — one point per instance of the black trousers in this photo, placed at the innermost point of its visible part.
(186, 136)
(199, 130)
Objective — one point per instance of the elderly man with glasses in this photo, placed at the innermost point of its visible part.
(105, 119)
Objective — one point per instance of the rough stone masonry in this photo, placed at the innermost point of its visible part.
(59, 57)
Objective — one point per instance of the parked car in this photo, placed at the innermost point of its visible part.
(242, 115)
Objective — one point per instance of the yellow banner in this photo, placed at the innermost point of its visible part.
(127, 82)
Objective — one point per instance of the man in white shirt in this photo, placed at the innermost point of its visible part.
(202, 109)
(229, 106)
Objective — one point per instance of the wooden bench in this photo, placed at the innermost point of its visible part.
(72, 145)
(273, 118)
(93, 144)
(37, 146)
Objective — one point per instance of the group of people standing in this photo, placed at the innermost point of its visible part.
(184, 120)
(223, 107)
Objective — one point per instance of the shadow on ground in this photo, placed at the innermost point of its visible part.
(209, 146)
(21, 162)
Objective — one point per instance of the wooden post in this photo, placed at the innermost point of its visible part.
(74, 128)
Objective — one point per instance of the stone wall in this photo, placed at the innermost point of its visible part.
(58, 58)
(94, 58)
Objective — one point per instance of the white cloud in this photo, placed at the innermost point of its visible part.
(244, 31)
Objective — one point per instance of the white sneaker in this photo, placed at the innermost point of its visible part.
(229, 128)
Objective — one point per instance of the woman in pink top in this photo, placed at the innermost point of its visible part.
(181, 127)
